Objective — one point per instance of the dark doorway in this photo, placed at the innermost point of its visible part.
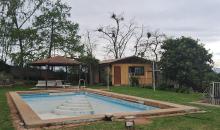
(117, 75)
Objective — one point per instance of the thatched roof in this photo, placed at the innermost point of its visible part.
(56, 61)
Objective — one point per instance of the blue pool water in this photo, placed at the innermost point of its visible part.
(60, 105)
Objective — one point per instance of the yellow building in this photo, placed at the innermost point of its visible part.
(120, 71)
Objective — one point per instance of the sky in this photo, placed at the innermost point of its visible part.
(199, 19)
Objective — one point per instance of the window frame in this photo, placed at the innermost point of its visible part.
(136, 72)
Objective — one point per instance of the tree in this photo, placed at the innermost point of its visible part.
(91, 63)
(89, 59)
(56, 31)
(185, 62)
(5, 44)
(19, 14)
(148, 44)
(31, 46)
(142, 43)
(157, 40)
(117, 36)
(89, 43)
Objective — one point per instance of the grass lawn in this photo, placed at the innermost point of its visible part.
(206, 121)
(5, 120)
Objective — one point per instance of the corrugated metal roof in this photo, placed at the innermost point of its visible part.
(110, 61)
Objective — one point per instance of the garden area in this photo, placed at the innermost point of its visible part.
(203, 121)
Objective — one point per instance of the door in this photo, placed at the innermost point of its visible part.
(117, 75)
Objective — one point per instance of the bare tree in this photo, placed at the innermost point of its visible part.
(90, 60)
(117, 36)
(89, 43)
(157, 40)
(148, 44)
(142, 44)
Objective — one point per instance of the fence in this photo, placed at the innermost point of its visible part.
(213, 93)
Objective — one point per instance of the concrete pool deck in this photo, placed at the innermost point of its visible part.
(32, 120)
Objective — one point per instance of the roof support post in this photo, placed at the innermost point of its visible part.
(108, 69)
(47, 67)
(66, 74)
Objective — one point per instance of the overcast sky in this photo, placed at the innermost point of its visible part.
(197, 18)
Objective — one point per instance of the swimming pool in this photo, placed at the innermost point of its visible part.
(43, 108)
(60, 105)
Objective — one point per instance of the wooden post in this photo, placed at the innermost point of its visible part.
(66, 74)
(79, 76)
(40, 72)
(154, 86)
(46, 75)
(213, 93)
(108, 78)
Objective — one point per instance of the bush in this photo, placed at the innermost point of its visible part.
(4, 66)
(165, 86)
(134, 81)
(182, 89)
(5, 76)
(30, 82)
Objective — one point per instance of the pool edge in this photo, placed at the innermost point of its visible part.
(31, 119)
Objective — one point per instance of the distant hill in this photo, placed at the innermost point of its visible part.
(217, 70)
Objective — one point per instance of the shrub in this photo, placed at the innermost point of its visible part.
(168, 87)
(4, 66)
(165, 86)
(134, 81)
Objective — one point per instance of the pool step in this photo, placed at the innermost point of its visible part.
(75, 107)
(77, 101)
(73, 113)
(76, 104)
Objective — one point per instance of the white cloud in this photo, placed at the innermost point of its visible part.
(214, 48)
(195, 18)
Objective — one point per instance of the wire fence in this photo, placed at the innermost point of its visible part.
(212, 93)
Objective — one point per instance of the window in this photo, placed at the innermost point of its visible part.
(136, 70)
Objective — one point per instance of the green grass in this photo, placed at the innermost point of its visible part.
(158, 94)
(5, 119)
(205, 121)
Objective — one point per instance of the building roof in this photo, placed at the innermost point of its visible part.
(56, 61)
(130, 59)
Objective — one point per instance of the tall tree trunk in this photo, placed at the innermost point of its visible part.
(51, 39)
(3, 48)
(21, 55)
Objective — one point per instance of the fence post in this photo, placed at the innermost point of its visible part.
(213, 93)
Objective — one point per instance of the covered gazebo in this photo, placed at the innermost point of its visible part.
(56, 61)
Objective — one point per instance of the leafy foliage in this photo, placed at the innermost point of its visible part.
(91, 64)
(134, 81)
(17, 18)
(4, 66)
(30, 29)
(57, 33)
(185, 61)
